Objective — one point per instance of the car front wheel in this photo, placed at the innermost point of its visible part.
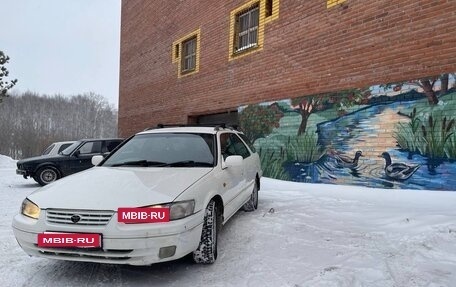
(207, 249)
(46, 175)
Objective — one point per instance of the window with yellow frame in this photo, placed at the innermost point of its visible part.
(247, 26)
(331, 3)
(186, 54)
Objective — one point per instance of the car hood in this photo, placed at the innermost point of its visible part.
(40, 158)
(108, 188)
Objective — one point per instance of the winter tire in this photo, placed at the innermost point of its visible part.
(46, 175)
(252, 204)
(207, 249)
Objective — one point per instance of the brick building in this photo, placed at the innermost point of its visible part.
(309, 65)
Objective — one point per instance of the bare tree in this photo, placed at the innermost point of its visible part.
(30, 122)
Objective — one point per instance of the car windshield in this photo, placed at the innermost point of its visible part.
(70, 149)
(166, 150)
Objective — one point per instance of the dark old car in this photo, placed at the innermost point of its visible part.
(77, 157)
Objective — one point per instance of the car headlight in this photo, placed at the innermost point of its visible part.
(30, 209)
(179, 209)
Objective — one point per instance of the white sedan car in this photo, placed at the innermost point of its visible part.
(57, 147)
(163, 194)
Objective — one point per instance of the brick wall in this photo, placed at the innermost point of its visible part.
(309, 49)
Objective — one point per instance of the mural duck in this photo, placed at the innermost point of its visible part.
(346, 161)
(398, 170)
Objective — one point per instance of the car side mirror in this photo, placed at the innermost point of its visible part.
(96, 159)
(76, 153)
(234, 161)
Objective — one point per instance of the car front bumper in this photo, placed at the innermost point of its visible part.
(133, 244)
(22, 172)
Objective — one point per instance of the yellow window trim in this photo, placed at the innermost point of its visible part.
(331, 3)
(178, 45)
(275, 11)
(262, 21)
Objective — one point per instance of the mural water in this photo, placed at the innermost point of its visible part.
(372, 129)
(387, 136)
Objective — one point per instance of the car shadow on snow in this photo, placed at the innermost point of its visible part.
(67, 273)
(26, 185)
(171, 273)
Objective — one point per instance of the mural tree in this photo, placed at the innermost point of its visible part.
(428, 85)
(342, 100)
(444, 79)
(257, 121)
(305, 106)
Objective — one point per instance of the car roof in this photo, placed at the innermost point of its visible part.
(188, 129)
(64, 142)
(103, 139)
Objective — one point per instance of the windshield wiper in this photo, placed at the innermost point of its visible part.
(142, 162)
(189, 163)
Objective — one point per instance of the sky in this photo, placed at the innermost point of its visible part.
(63, 46)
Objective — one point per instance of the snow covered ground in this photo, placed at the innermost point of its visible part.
(301, 235)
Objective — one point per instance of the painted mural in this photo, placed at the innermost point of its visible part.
(397, 135)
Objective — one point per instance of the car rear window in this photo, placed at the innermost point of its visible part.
(90, 147)
(111, 145)
(247, 141)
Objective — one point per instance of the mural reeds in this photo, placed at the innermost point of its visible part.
(407, 134)
(436, 133)
(272, 164)
(304, 148)
(450, 147)
(432, 137)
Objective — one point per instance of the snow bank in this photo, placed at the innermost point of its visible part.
(305, 235)
(7, 162)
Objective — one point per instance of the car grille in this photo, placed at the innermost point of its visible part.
(86, 217)
(102, 255)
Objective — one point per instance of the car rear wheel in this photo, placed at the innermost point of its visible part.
(252, 204)
(46, 175)
(207, 249)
